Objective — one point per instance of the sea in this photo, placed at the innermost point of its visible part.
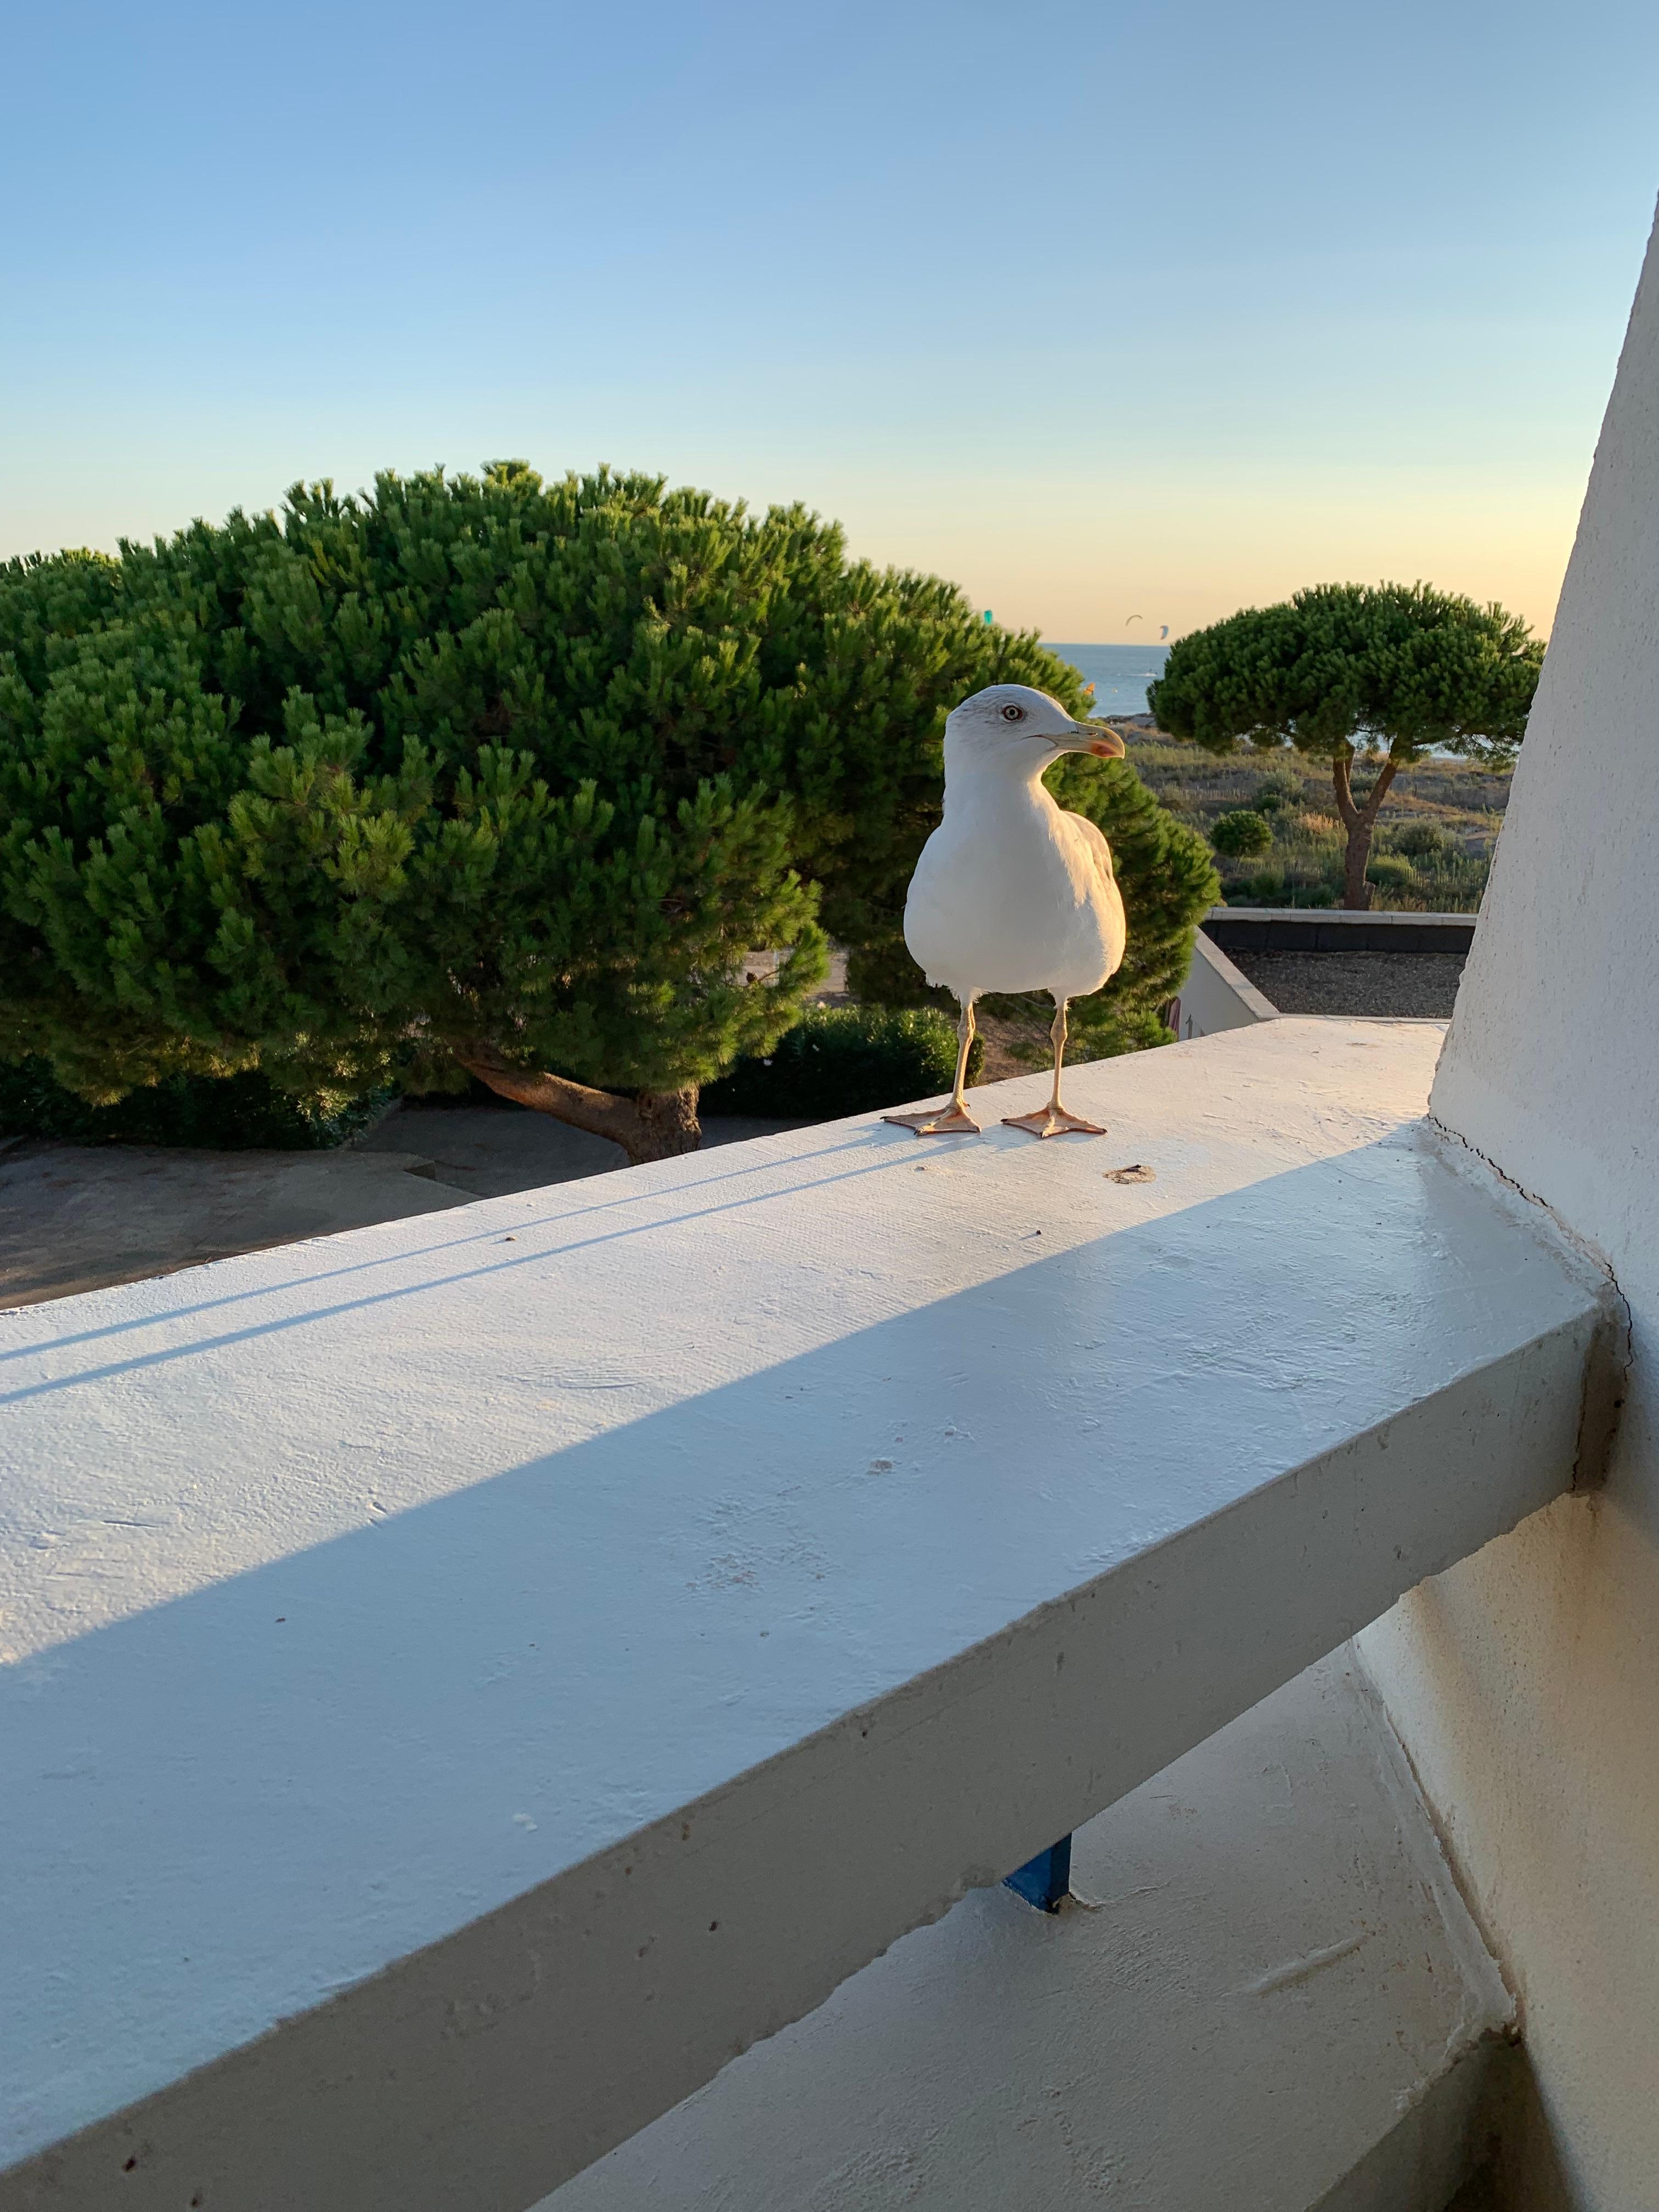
(1119, 673)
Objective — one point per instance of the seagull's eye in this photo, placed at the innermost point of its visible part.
(1013, 714)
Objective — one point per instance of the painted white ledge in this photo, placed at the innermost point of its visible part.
(471, 1678)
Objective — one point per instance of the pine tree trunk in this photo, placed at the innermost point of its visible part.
(1356, 891)
(652, 1125)
(1359, 822)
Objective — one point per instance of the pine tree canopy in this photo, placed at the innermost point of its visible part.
(1396, 670)
(486, 773)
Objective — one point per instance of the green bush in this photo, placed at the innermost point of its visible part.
(1390, 872)
(1279, 790)
(1270, 888)
(489, 776)
(1420, 841)
(1240, 833)
(237, 1113)
(845, 1060)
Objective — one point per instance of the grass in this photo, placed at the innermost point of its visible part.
(1458, 803)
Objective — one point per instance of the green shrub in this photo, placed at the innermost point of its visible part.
(1240, 833)
(1420, 841)
(845, 1060)
(236, 1113)
(1390, 872)
(1270, 888)
(489, 776)
(1279, 790)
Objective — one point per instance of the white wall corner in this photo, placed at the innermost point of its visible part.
(1551, 1064)
(1525, 1681)
(1218, 995)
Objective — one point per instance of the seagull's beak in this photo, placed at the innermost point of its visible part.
(1091, 738)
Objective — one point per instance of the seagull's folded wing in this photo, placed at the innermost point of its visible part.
(1095, 838)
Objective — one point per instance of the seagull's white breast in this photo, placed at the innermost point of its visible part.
(1012, 894)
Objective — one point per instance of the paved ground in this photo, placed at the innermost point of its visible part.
(1421, 986)
(75, 1218)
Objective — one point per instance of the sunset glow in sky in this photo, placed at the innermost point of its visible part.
(1098, 308)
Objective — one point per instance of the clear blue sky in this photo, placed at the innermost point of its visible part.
(1100, 308)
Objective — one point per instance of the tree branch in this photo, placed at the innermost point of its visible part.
(654, 1125)
(1374, 797)
(1341, 763)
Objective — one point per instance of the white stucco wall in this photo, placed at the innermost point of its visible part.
(1264, 1996)
(1216, 995)
(1526, 1681)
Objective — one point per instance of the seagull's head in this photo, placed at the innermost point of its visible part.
(1018, 730)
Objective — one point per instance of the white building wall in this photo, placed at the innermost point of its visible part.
(1265, 1995)
(1526, 1681)
(1216, 995)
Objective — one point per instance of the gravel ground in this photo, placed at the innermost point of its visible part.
(1420, 986)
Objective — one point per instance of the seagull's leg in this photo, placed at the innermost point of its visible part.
(954, 1119)
(965, 1041)
(1054, 1121)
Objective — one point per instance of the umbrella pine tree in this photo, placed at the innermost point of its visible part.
(481, 776)
(1343, 669)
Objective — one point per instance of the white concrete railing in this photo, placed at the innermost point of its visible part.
(470, 1678)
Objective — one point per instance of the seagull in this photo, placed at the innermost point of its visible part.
(1011, 893)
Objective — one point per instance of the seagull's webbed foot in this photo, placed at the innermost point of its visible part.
(1054, 1121)
(937, 1122)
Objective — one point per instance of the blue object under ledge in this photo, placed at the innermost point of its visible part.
(1046, 1879)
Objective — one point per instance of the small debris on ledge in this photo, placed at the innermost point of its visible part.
(1138, 1173)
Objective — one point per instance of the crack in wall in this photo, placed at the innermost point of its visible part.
(1608, 1369)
